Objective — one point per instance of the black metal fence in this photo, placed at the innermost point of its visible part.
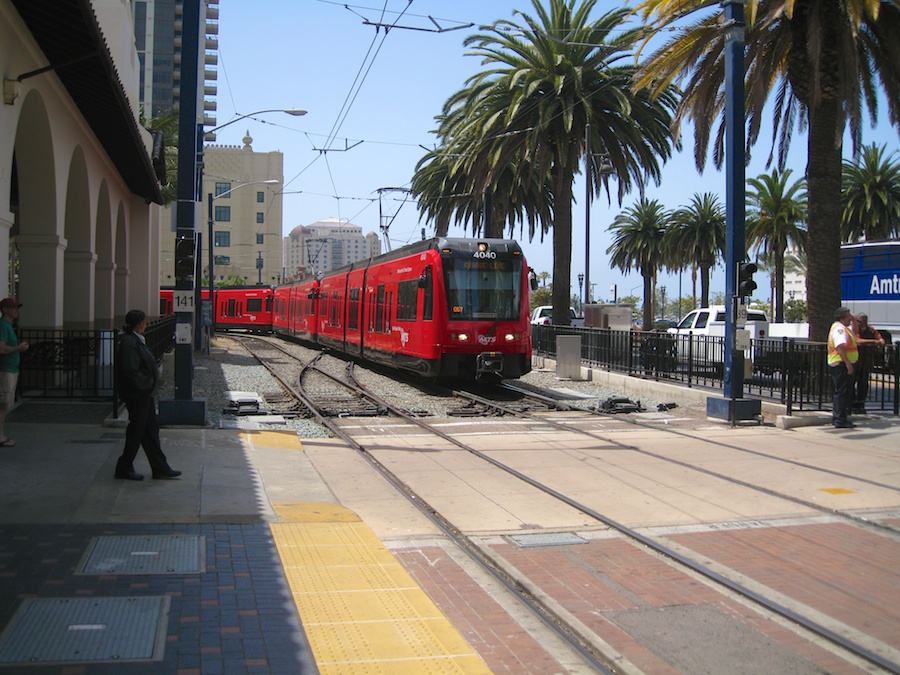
(791, 372)
(80, 364)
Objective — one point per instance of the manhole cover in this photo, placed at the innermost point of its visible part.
(548, 539)
(150, 554)
(72, 630)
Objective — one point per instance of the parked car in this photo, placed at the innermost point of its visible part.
(543, 316)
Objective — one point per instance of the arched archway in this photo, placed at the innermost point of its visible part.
(121, 258)
(79, 258)
(36, 236)
(105, 267)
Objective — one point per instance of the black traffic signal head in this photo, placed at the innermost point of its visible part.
(184, 259)
(745, 283)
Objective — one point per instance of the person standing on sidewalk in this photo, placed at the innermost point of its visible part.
(137, 377)
(867, 340)
(842, 357)
(10, 348)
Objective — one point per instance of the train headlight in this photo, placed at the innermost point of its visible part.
(510, 337)
(460, 337)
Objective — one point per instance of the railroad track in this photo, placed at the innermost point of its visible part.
(578, 640)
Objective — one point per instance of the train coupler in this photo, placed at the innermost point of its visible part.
(489, 363)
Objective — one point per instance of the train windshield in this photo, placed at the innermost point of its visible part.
(483, 290)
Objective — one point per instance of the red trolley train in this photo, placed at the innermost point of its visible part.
(236, 307)
(443, 308)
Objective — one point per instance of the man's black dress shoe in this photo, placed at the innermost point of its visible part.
(171, 473)
(844, 425)
(128, 475)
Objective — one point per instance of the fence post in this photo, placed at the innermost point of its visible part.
(788, 356)
(896, 360)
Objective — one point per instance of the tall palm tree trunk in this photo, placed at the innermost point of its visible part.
(648, 298)
(562, 248)
(823, 176)
(704, 285)
(778, 296)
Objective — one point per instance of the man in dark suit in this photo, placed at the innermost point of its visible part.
(137, 377)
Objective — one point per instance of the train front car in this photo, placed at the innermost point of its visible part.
(482, 309)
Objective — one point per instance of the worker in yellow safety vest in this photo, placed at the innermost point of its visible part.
(842, 356)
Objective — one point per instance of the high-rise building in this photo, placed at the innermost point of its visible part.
(247, 216)
(326, 245)
(158, 35)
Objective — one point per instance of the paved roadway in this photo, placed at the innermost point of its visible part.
(306, 559)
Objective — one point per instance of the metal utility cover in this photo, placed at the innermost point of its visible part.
(75, 630)
(148, 554)
(546, 539)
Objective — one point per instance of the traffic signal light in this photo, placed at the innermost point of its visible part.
(184, 259)
(745, 283)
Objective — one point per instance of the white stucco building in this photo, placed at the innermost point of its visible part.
(79, 187)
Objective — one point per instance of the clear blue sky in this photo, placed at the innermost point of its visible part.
(372, 98)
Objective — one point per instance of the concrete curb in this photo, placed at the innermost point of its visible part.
(805, 419)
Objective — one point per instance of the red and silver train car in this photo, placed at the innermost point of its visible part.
(444, 308)
(236, 308)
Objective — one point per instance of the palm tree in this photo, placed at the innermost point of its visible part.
(822, 62)
(166, 122)
(518, 127)
(697, 237)
(775, 220)
(447, 193)
(638, 236)
(871, 196)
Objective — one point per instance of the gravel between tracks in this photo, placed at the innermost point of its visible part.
(231, 368)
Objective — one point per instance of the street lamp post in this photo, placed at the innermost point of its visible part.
(580, 287)
(184, 408)
(296, 112)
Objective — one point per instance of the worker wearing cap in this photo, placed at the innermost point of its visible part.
(10, 348)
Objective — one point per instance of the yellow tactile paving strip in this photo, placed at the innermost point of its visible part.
(362, 612)
(282, 440)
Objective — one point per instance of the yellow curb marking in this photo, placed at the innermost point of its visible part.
(283, 440)
(838, 491)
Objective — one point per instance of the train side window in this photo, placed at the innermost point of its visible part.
(407, 294)
(353, 310)
(428, 296)
(230, 310)
(370, 313)
(379, 310)
(254, 305)
(269, 303)
(388, 312)
(334, 309)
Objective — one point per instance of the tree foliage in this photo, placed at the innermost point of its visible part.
(517, 129)
(817, 66)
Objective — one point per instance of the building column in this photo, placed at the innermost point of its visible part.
(6, 223)
(78, 306)
(105, 294)
(143, 287)
(41, 263)
(122, 296)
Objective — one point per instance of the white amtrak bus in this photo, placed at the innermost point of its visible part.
(870, 282)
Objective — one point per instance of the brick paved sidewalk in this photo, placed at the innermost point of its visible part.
(236, 617)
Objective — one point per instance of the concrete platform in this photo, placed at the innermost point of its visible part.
(253, 495)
